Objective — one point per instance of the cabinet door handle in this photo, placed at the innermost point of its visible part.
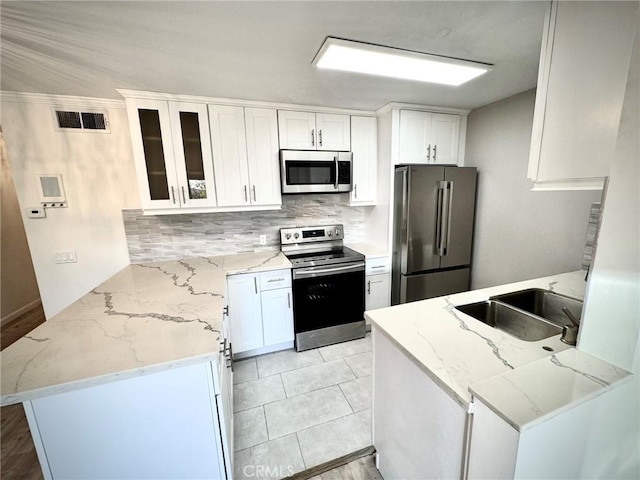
(355, 190)
(254, 193)
(434, 152)
(184, 199)
(288, 300)
(429, 153)
(245, 194)
(369, 287)
(173, 195)
(313, 140)
(255, 283)
(320, 137)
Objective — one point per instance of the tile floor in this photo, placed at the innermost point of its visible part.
(295, 410)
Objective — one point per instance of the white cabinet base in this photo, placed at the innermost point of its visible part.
(160, 425)
(418, 430)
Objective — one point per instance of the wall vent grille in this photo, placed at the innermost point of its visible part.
(92, 121)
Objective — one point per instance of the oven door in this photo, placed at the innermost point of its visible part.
(328, 296)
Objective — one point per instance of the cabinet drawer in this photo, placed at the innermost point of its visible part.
(275, 279)
(378, 265)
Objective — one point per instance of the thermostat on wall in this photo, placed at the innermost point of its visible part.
(36, 212)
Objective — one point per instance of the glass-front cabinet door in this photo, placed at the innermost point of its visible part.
(172, 154)
(192, 150)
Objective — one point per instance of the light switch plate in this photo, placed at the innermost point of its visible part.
(68, 256)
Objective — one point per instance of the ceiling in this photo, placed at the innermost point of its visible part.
(263, 50)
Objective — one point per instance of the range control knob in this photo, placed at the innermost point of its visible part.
(337, 231)
(296, 235)
(287, 236)
(329, 233)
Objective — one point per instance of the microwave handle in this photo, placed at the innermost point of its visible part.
(337, 171)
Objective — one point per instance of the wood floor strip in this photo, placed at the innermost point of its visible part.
(322, 469)
(18, 458)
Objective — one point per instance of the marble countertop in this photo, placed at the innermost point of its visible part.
(458, 351)
(368, 250)
(147, 317)
(532, 393)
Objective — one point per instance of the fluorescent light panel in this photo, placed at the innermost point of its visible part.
(349, 56)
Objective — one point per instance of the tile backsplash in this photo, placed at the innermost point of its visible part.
(592, 230)
(170, 237)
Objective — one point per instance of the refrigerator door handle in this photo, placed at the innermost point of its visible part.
(442, 217)
(447, 215)
(439, 211)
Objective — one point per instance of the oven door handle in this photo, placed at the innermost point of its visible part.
(322, 272)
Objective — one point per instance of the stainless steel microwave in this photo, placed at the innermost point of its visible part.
(311, 171)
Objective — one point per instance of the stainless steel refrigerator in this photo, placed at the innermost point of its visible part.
(434, 208)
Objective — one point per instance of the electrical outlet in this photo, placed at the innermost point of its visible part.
(68, 256)
(263, 239)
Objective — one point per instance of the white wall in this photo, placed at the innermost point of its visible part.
(519, 234)
(611, 317)
(16, 297)
(99, 180)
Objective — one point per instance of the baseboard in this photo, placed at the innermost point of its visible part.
(262, 350)
(22, 310)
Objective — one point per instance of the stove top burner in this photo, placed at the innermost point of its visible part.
(315, 246)
(324, 258)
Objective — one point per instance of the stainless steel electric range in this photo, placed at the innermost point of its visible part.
(328, 286)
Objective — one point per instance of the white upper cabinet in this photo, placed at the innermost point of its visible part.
(334, 132)
(445, 134)
(584, 62)
(172, 154)
(245, 151)
(313, 131)
(261, 126)
(364, 146)
(429, 138)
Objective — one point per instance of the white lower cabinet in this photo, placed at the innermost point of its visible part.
(260, 311)
(377, 283)
(418, 429)
(277, 316)
(245, 312)
(555, 448)
(377, 291)
(173, 424)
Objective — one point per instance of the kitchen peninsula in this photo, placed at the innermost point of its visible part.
(434, 365)
(130, 380)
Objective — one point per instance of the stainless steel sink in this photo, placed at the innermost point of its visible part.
(511, 320)
(543, 303)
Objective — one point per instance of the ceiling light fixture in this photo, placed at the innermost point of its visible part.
(350, 56)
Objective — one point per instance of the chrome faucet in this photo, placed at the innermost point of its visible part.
(570, 332)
